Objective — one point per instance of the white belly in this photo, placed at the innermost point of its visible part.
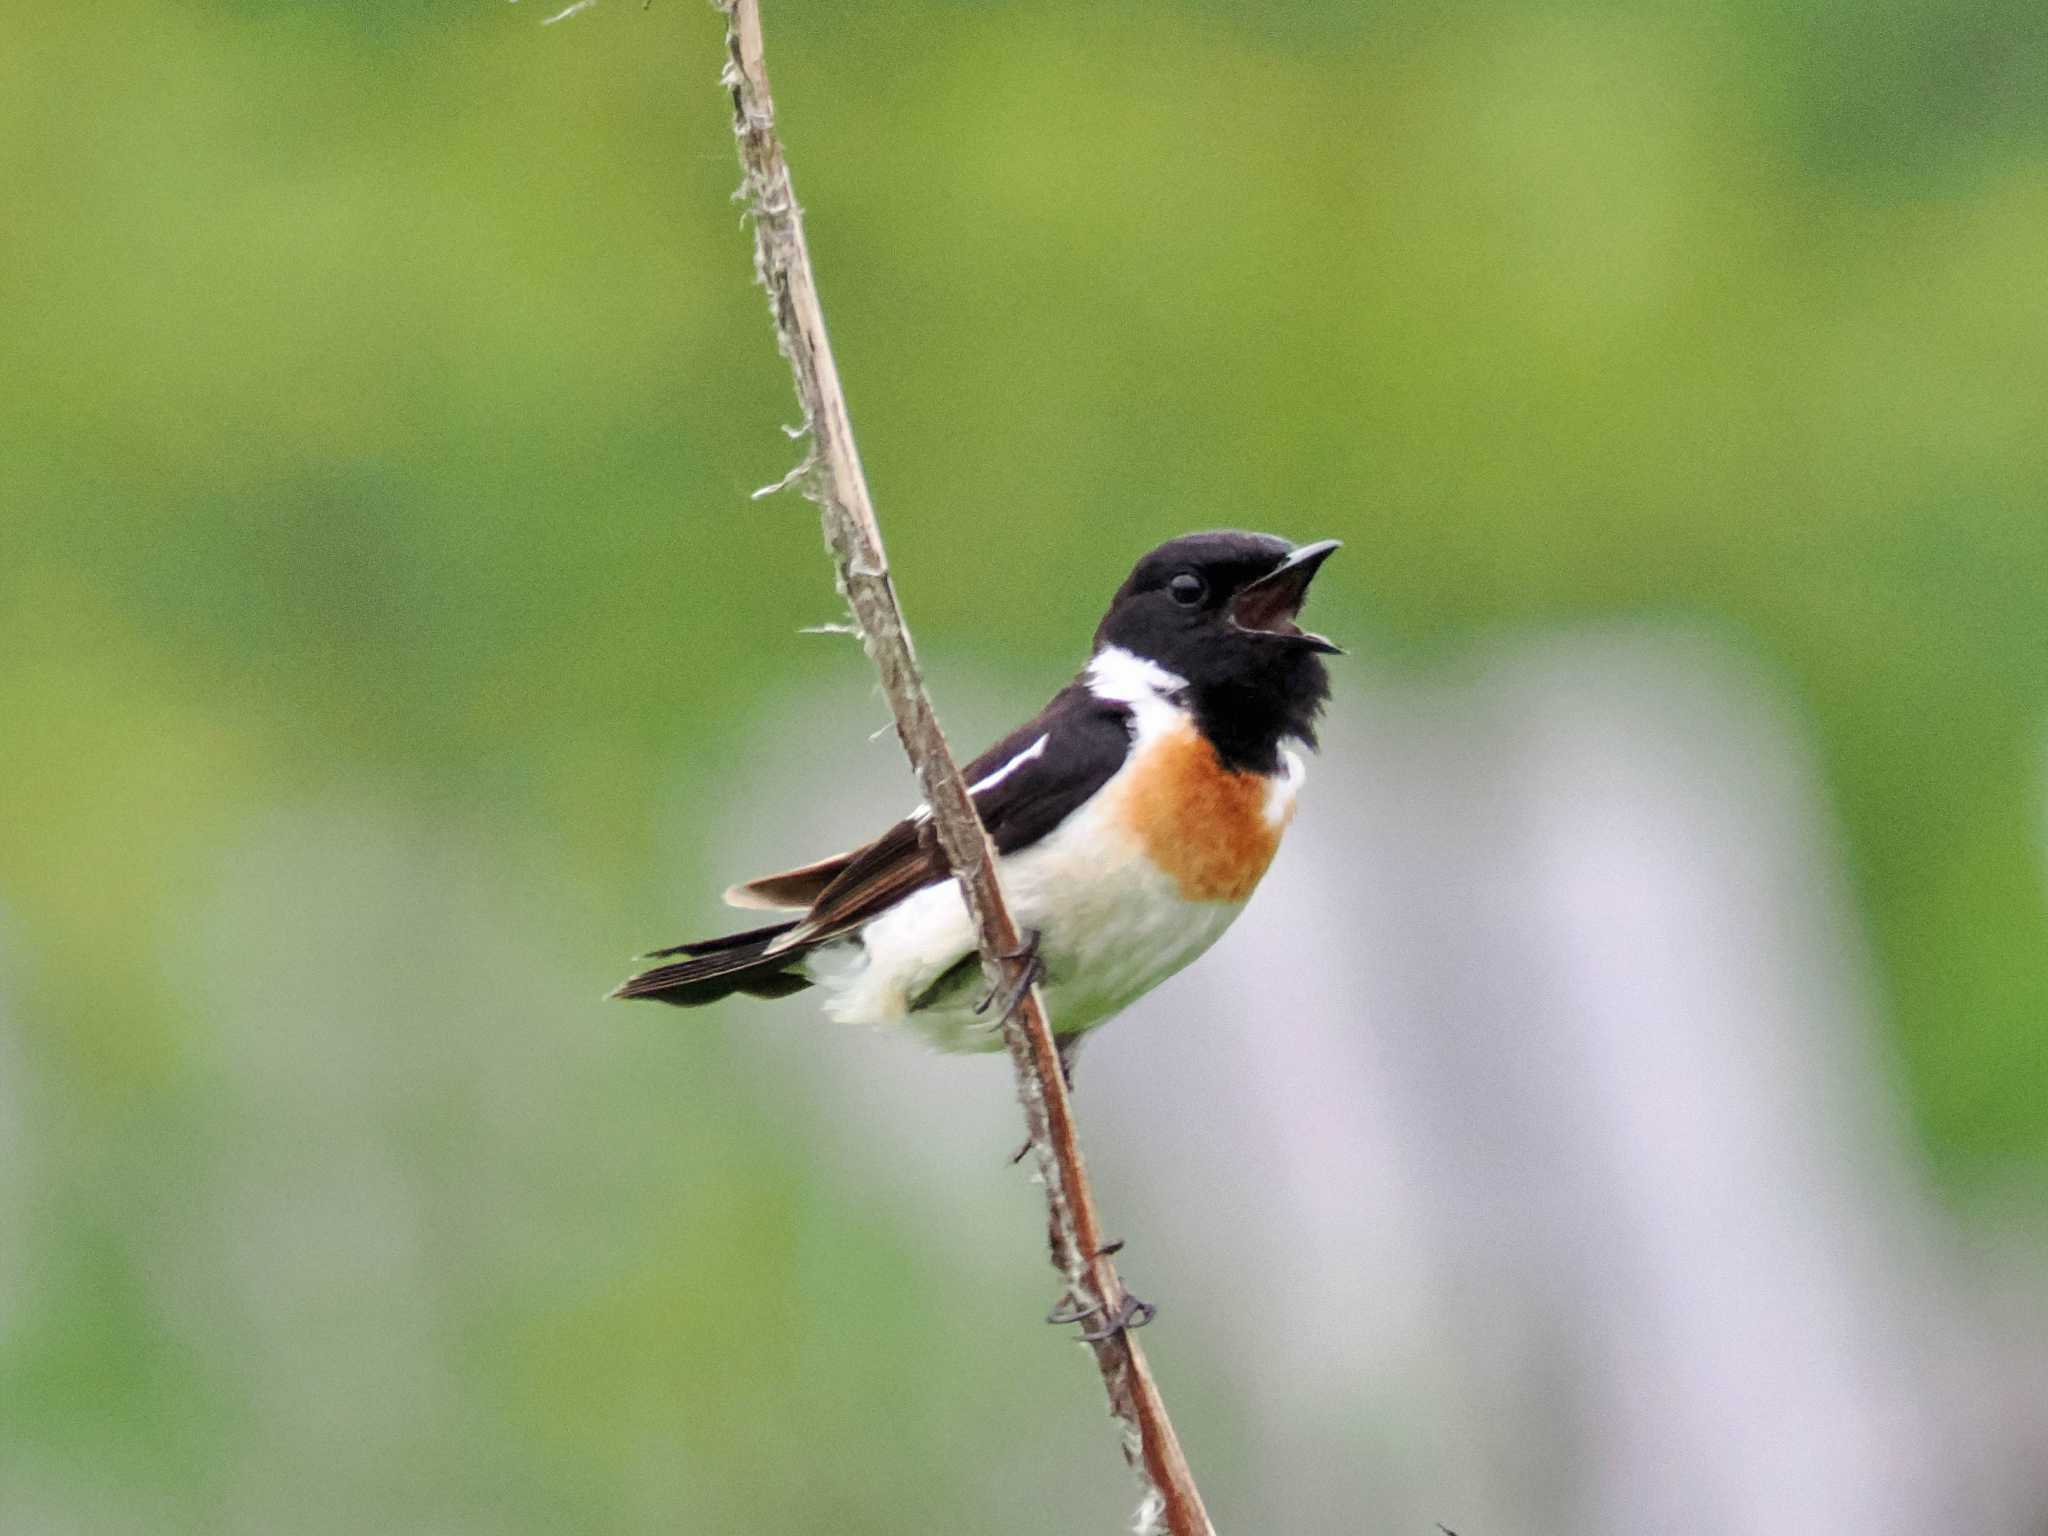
(1112, 925)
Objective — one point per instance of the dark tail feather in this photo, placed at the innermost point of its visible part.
(739, 962)
(753, 936)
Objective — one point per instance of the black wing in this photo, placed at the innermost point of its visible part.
(1034, 779)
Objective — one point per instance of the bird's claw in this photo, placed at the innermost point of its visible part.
(1029, 974)
(1130, 1313)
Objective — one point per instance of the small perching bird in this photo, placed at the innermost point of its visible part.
(1132, 818)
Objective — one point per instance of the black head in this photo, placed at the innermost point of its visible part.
(1219, 609)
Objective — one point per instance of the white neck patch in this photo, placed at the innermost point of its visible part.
(1154, 696)
(1128, 678)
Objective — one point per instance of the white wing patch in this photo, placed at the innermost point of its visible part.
(1036, 749)
(923, 812)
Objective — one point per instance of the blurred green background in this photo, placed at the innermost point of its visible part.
(383, 615)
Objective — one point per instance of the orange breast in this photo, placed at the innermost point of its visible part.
(1202, 823)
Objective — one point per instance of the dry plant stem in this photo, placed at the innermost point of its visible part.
(831, 474)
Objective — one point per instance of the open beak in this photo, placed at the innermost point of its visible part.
(1270, 605)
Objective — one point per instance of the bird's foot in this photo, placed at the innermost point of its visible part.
(1031, 971)
(1129, 1313)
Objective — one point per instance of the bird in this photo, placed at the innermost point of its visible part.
(1132, 817)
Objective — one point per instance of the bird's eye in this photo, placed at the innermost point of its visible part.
(1187, 589)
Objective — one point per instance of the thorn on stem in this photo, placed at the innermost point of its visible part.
(801, 468)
